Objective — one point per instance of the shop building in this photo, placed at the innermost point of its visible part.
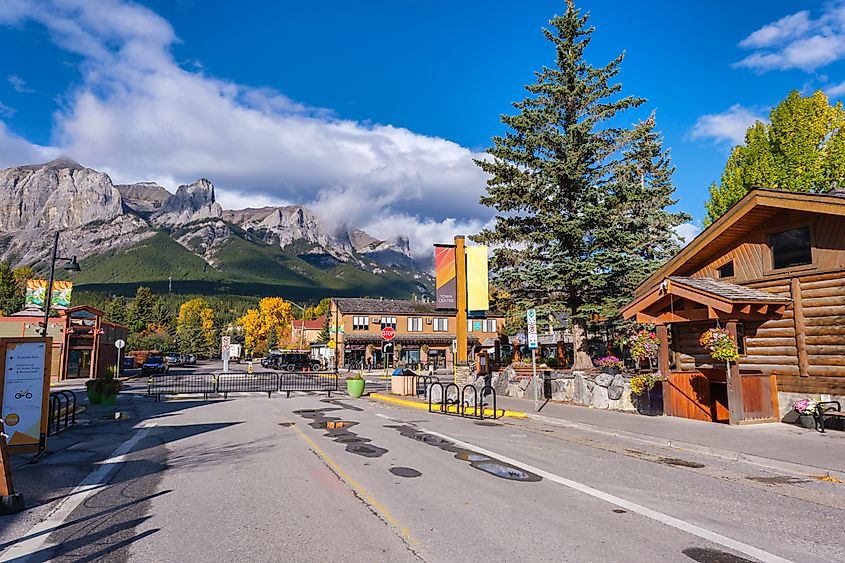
(425, 336)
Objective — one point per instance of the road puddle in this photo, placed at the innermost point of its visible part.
(779, 480)
(708, 555)
(675, 462)
(476, 460)
(407, 472)
(338, 430)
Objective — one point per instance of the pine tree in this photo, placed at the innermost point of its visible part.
(142, 311)
(10, 296)
(801, 150)
(117, 311)
(572, 225)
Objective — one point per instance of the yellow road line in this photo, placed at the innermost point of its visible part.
(357, 487)
(450, 408)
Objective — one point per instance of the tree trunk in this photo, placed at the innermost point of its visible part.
(579, 344)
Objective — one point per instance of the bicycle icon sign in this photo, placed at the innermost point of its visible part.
(23, 394)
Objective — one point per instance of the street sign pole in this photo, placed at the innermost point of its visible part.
(531, 317)
(119, 344)
(225, 352)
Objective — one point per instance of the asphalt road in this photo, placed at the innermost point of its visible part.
(313, 479)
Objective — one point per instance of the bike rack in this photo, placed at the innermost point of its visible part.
(461, 401)
(431, 394)
(465, 403)
(54, 417)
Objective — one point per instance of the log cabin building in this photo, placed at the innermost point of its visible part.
(772, 271)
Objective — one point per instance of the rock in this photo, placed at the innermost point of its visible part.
(563, 389)
(600, 398)
(515, 390)
(509, 373)
(604, 379)
(500, 383)
(524, 383)
(617, 387)
(436, 392)
(624, 403)
(190, 203)
(581, 394)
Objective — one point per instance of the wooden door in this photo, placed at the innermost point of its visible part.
(688, 396)
(757, 402)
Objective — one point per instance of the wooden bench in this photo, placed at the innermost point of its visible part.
(829, 409)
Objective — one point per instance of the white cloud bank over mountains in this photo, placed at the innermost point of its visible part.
(138, 115)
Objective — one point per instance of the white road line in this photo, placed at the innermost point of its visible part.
(622, 503)
(37, 536)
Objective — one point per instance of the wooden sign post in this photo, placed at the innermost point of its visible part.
(10, 502)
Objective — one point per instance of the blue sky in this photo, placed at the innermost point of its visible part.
(371, 111)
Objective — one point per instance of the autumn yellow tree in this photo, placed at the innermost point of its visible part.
(268, 326)
(195, 329)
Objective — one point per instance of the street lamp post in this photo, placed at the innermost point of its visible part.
(73, 266)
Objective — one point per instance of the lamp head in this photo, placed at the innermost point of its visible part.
(73, 265)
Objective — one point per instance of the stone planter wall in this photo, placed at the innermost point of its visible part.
(601, 391)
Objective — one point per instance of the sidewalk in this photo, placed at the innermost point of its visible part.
(779, 446)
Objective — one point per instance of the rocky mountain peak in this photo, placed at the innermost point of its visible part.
(190, 203)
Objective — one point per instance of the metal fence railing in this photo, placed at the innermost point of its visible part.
(225, 383)
(62, 412)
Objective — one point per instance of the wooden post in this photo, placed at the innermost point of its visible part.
(461, 301)
(798, 322)
(6, 487)
(736, 412)
(663, 365)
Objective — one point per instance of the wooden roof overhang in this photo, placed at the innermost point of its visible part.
(680, 300)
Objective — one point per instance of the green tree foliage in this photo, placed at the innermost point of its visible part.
(580, 200)
(152, 338)
(801, 150)
(117, 310)
(142, 311)
(11, 300)
(194, 332)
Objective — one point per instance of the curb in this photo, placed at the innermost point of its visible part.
(424, 406)
(753, 459)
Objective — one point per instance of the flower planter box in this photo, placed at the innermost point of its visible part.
(650, 403)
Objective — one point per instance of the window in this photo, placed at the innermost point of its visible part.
(414, 324)
(490, 325)
(726, 270)
(441, 325)
(740, 338)
(791, 248)
(360, 323)
(388, 322)
(475, 326)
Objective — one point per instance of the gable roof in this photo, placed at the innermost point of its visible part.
(393, 306)
(745, 215)
(316, 324)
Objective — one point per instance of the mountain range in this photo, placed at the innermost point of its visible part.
(127, 235)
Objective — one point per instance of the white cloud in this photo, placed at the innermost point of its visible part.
(835, 91)
(15, 150)
(18, 84)
(729, 125)
(139, 115)
(797, 41)
(686, 232)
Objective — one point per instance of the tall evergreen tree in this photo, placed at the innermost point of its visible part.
(11, 300)
(142, 311)
(580, 200)
(117, 310)
(801, 150)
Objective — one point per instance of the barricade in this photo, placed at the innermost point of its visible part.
(225, 383)
(62, 412)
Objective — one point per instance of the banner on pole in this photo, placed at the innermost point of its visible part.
(36, 290)
(445, 275)
(477, 282)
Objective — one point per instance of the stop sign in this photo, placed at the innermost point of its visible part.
(388, 333)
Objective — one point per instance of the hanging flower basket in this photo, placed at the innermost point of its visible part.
(720, 344)
(644, 345)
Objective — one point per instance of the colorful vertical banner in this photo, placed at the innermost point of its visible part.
(445, 276)
(477, 284)
(37, 289)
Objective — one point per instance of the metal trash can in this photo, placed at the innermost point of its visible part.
(402, 382)
(547, 384)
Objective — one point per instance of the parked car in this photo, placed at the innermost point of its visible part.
(189, 360)
(173, 359)
(128, 362)
(154, 364)
(294, 362)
